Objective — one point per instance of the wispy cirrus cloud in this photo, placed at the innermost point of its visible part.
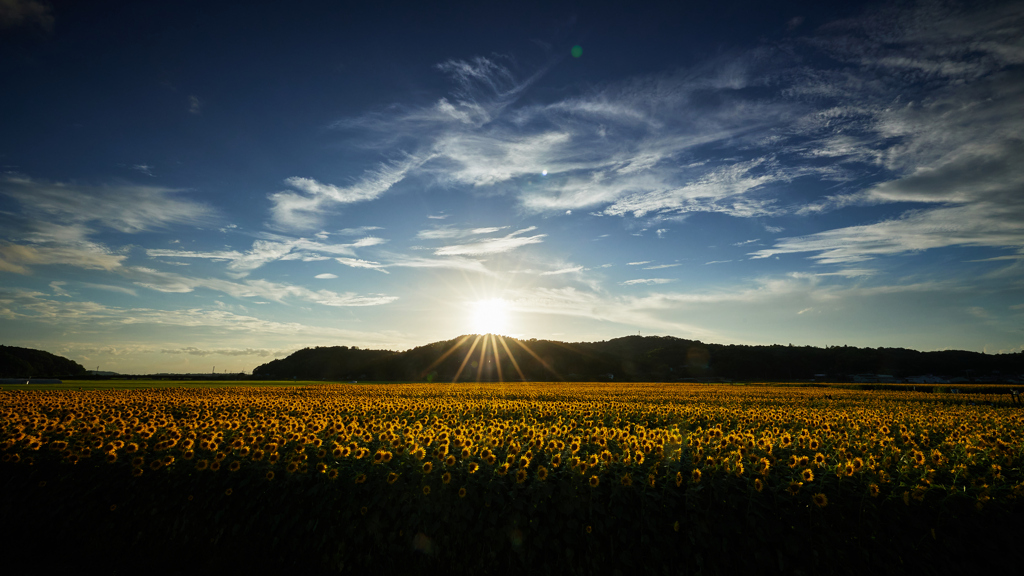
(78, 316)
(123, 207)
(57, 221)
(19, 258)
(647, 281)
(450, 232)
(270, 250)
(304, 208)
(194, 351)
(493, 245)
(274, 291)
(357, 263)
(569, 270)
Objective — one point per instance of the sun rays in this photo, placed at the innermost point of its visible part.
(490, 363)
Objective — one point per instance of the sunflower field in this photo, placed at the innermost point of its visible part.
(501, 478)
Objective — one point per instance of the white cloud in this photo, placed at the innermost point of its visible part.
(58, 288)
(306, 209)
(273, 249)
(357, 231)
(357, 263)
(661, 266)
(569, 270)
(277, 292)
(24, 305)
(110, 288)
(456, 263)
(325, 276)
(850, 273)
(647, 281)
(449, 232)
(194, 351)
(125, 208)
(493, 245)
(17, 258)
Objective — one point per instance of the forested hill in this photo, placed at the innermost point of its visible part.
(636, 358)
(28, 363)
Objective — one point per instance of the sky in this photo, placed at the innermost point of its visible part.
(190, 186)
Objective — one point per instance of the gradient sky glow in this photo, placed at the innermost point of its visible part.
(190, 184)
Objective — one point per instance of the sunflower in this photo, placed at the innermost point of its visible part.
(446, 477)
(873, 490)
(293, 467)
(392, 477)
(235, 466)
(138, 461)
(156, 464)
(136, 472)
(387, 457)
(542, 473)
(321, 468)
(111, 458)
(793, 461)
(473, 467)
(807, 475)
(202, 464)
(594, 482)
(820, 500)
(270, 474)
(426, 490)
(849, 469)
(521, 476)
(794, 487)
(502, 470)
(361, 478)
(462, 492)
(228, 492)
(427, 467)
(695, 475)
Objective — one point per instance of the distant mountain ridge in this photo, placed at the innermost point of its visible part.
(18, 362)
(630, 358)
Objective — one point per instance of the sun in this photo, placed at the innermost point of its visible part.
(489, 316)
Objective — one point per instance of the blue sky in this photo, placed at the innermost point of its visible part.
(186, 185)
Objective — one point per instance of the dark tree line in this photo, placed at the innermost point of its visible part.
(636, 358)
(28, 363)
